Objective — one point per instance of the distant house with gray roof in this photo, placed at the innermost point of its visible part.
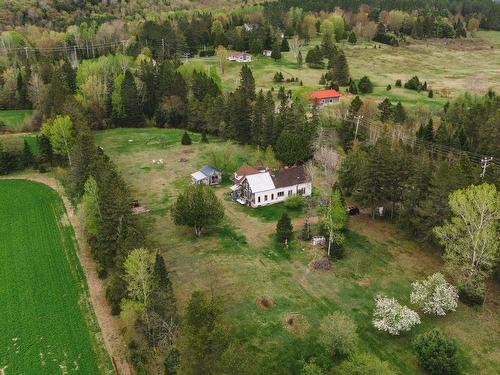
(206, 176)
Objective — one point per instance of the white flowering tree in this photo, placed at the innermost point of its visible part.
(392, 317)
(434, 295)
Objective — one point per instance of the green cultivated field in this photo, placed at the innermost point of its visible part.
(14, 119)
(46, 322)
(241, 263)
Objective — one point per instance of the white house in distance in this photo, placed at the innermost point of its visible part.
(206, 176)
(325, 97)
(261, 187)
(241, 57)
(267, 52)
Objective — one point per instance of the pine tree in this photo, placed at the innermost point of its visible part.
(276, 51)
(68, 75)
(399, 113)
(340, 69)
(386, 110)
(284, 229)
(428, 134)
(22, 91)
(132, 110)
(353, 89)
(365, 86)
(258, 119)
(186, 139)
(355, 106)
(28, 158)
(284, 45)
(389, 87)
(247, 82)
(431, 94)
(352, 38)
(268, 121)
(161, 273)
(300, 61)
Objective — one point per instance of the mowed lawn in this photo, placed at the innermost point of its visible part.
(14, 118)
(47, 325)
(241, 263)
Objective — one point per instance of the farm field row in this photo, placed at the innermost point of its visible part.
(47, 323)
(242, 264)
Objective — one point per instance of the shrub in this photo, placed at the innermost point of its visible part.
(295, 202)
(470, 295)
(414, 84)
(392, 317)
(364, 364)
(186, 139)
(207, 53)
(338, 335)
(398, 83)
(115, 291)
(434, 295)
(431, 94)
(388, 88)
(436, 353)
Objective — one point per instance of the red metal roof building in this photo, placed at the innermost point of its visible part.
(325, 97)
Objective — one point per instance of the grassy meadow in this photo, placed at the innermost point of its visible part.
(444, 64)
(46, 320)
(14, 118)
(241, 264)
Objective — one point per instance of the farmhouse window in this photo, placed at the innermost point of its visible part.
(281, 193)
(272, 196)
(290, 192)
(301, 191)
(258, 199)
(265, 198)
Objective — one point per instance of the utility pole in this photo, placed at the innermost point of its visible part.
(358, 118)
(484, 162)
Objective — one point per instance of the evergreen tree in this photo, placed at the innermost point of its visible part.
(258, 119)
(56, 95)
(28, 157)
(186, 139)
(353, 89)
(284, 45)
(276, 51)
(389, 87)
(352, 38)
(300, 61)
(431, 94)
(204, 138)
(132, 111)
(268, 121)
(355, 105)
(247, 82)
(399, 113)
(22, 91)
(398, 83)
(386, 110)
(340, 69)
(161, 273)
(365, 86)
(68, 75)
(284, 229)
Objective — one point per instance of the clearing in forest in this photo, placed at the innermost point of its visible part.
(47, 324)
(271, 294)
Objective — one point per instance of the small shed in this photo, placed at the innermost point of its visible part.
(207, 176)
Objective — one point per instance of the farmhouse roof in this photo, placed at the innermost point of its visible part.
(246, 170)
(208, 171)
(324, 94)
(260, 182)
(290, 176)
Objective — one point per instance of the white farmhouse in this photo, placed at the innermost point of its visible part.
(241, 57)
(268, 187)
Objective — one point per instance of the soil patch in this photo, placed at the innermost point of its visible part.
(295, 323)
(264, 303)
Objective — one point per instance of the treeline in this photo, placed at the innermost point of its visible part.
(487, 11)
(116, 91)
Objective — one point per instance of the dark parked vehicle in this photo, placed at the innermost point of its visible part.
(352, 210)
